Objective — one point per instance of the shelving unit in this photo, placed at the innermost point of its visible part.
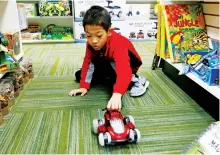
(206, 96)
(214, 90)
(43, 21)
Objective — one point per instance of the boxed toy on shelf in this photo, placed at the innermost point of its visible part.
(205, 65)
(33, 32)
(53, 32)
(55, 8)
(7, 62)
(115, 8)
(141, 30)
(31, 9)
(137, 11)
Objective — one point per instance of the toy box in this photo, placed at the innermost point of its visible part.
(14, 44)
(137, 11)
(115, 8)
(31, 10)
(31, 36)
(7, 62)
(80, 35)
(207, 67)
(53, 32)
(54, 8)
(141, 30)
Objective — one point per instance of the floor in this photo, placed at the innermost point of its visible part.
(45, 120)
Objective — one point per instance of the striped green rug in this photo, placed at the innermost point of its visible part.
(45, 120)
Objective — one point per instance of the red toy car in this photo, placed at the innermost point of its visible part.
(116, 128)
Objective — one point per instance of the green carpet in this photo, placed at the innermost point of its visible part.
(45, 120)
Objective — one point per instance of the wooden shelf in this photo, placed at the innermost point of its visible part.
(214, 90)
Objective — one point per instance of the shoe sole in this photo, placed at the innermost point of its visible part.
(145, 88)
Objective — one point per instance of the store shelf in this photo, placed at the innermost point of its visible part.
(46, 41)
(50, 17)
(214, 90)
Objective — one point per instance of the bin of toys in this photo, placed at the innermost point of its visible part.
(27, 68)
(9, 90)
(17, 79)
(4, 99)
(54, 8)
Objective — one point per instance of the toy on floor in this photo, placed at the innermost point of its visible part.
(115, 128)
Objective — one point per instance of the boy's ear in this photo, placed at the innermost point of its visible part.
(110, 31)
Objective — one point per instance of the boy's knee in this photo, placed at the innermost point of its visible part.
(78, 75)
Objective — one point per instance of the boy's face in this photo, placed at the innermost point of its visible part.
(96, 36)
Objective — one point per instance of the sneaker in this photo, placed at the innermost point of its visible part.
(140, 85)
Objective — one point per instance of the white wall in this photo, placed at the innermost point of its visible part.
(9, 16)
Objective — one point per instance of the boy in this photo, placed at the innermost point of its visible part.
(108, 56)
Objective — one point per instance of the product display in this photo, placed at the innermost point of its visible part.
(115, 8)
(54, 8)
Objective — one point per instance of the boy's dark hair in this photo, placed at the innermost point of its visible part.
(97, 15)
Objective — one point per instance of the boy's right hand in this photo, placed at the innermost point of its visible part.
(82, 91)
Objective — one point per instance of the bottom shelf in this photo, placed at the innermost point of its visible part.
(47, 41)
(205, 96)
(214, 90)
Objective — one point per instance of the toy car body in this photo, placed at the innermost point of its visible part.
(117, 30)
(114, 11)
(151, 34)
(82, 35)
(132, 35)
(82, 13)
(115, 129)
(140, 34)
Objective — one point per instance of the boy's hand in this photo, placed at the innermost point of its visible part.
(115, 102)
(82, 91)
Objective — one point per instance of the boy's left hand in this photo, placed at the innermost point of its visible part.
(115, 102)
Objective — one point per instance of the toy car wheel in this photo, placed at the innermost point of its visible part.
(101, 139)
(104, 138)
(134, 135)
(96, 124)
(138, 135)
(119, 14)
(129, 118)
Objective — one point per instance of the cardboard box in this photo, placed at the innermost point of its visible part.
(31, 36)
(137, 11)
(137, 30)
(54, 8)
(31, 10)
(115, 8)
(80, 35)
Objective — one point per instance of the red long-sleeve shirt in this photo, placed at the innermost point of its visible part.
(122, 53)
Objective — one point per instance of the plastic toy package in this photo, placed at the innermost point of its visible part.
(54, 8)
(4, 99)
(205, 65)
(17, 80)
(7, 85)
(115, 128)
(53, 32)
(7, 62)
(27, 68)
